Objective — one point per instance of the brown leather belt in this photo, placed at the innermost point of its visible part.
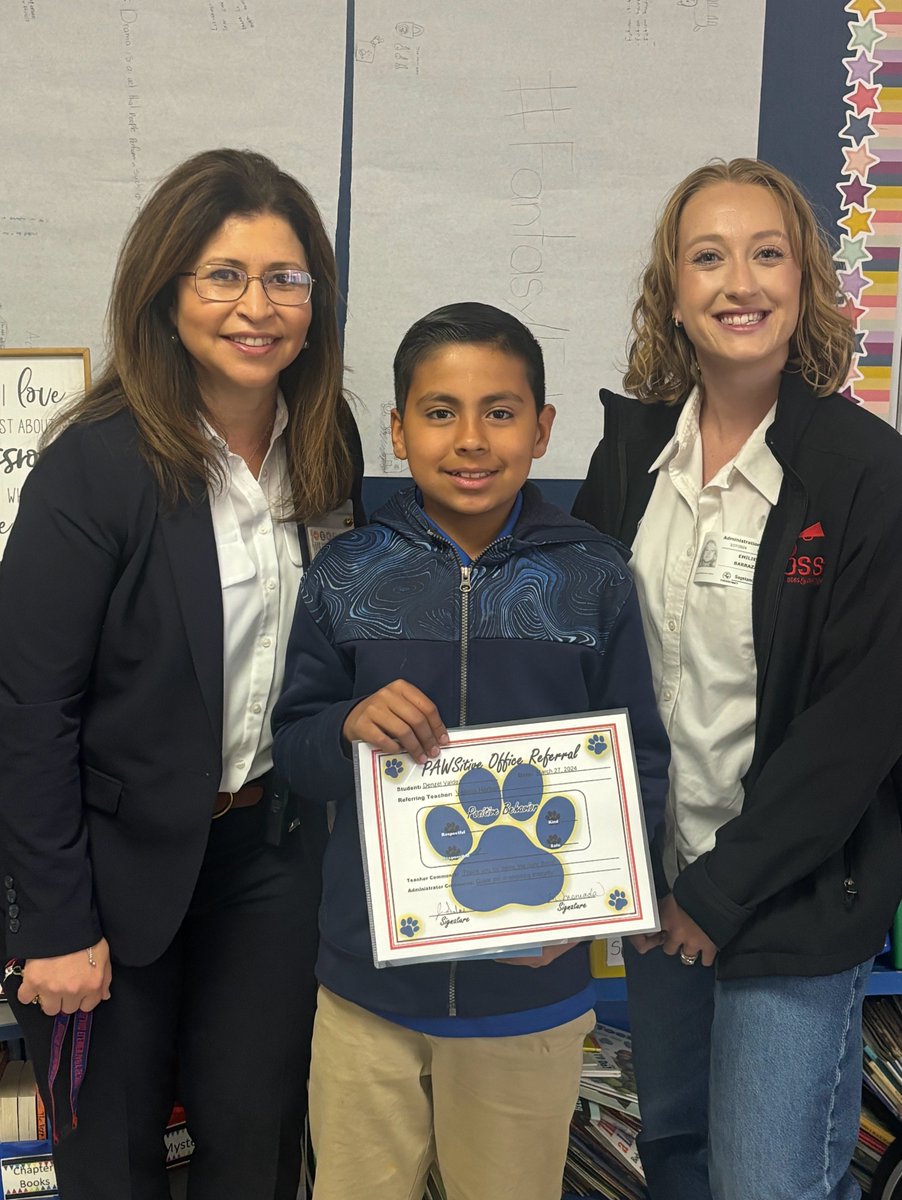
(245, 797)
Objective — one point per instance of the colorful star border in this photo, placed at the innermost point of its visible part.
(870, 228)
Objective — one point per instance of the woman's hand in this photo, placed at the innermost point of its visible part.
(68, 982)
(398, 717)
(682, 935)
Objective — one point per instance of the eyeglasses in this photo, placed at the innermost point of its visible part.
(285, 285)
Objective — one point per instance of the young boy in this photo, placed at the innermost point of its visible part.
(475, 1063)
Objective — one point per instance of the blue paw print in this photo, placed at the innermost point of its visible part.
(596, 744)
(393, 768)
(409, 926)
(501, 865)
(617, 899)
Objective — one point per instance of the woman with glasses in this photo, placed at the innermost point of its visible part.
(160, 883)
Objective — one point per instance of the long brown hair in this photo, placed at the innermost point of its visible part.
(150, 373)
(661, 361)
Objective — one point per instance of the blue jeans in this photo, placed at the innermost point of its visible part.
(750, 1089)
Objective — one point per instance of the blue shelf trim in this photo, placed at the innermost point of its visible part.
(884, 981)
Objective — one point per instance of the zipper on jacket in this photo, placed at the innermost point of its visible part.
(452, 990)
(465, 586)
(796, 508)
(849, 886)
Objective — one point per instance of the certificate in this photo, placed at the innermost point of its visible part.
(514, 836)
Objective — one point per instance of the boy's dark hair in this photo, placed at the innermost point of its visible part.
(468, 323)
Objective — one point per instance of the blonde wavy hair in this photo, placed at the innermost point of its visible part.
(661, 364)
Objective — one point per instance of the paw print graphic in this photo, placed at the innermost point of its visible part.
(500, 863)
(409, 927)
(597, 744)
(618, 899)
(393, 768)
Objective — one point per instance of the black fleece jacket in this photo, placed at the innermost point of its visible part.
(806, 878)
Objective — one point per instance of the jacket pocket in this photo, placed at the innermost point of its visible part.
(100, 790)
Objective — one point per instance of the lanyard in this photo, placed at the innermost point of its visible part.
(78, 1055)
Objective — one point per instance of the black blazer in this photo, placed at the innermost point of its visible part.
(111, 698)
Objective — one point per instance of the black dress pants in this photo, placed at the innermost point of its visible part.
(221, 1022)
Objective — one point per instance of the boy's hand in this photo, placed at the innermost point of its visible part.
(548, 955)
(398, 717)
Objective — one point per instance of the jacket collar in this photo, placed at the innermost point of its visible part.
(539, 523)
(796, 407)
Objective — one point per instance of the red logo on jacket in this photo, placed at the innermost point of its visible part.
(807, 568)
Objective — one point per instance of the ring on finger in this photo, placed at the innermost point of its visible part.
(689, 960)
(37, 999)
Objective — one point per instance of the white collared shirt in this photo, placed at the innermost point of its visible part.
(260, 569)
(694, 555)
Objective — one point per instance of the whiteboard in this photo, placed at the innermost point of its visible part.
(102, 98)
(517, 155)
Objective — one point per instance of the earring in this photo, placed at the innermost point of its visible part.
(305, 345)
(174, 337)
(677, 322)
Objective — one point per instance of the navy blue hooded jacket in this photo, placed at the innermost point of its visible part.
(547, 624)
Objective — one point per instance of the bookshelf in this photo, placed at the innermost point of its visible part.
(9, 1030)
(885, 980)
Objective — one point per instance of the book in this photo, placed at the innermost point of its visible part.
(9, 1101)
(597, 1058)
(41, 1121)
(28, 1113)
(616, 1092)
(602, 1160)
(177, 1140)
(619, 1136)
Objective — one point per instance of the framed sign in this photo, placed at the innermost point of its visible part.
(35, 384)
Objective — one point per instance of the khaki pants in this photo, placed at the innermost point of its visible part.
(385, 1102)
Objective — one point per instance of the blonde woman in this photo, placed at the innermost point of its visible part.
(765, 515)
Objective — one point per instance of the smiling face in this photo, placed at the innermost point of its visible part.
(469, 433)
(240, 347)
(737, 282)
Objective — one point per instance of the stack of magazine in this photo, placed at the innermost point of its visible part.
(603, 1159)
(881, 1110)
(874, 1139)
(882, 1022)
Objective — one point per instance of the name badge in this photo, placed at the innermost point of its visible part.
(328, 525)
(727, 560)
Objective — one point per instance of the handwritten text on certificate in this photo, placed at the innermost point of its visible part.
(518, 835)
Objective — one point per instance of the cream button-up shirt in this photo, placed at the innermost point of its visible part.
(694, 556)
(260, 568)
